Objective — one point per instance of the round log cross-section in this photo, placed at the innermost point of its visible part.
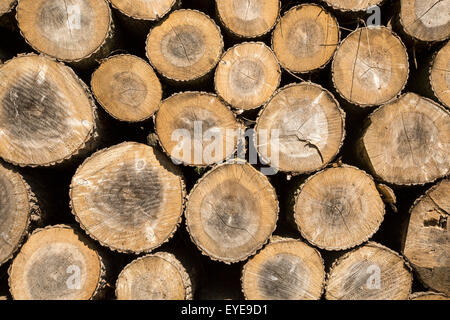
(370, 67)
(47, 114)
(127, 88)
(231, 212)
(353, 5)
(305, 38)
(440, 75)
(158, 276)
(285, 269)
(371, 272)
(56, 263)
(248, 18)
(186, 46)
(407, 141)
(71, 30)
(128, 197)
(426, 20)
(144, 9)
(247, 75)
(427, 243)
(300, 129)
(338, 208)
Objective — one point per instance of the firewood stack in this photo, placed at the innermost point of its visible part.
(224, 149)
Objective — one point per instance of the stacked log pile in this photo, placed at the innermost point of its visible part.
(227, 149)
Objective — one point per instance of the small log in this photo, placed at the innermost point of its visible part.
(186, 46)
(338, 208)
(247, 75)
(47, 114)
(158, 276)
(353, 5)
(286, 269)
(440, 75)
(128, 197)
(428, 296)
(370, 272)
(370, 66)
(425, 20)
(248, 18)
(6, 6)
(127, 88)
(149, 10)
(309, 124)
(427, 243)
(56, 263)
(231, 212)
(305, 38)
(197, 113)
(406, 142)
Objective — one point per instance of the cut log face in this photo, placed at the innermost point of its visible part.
(338, 208)
(6, 6)
(128, 197)
(285, 269)
(159, 276)
(407, 141)
(144, 9)
(426, 20)
(186, 46)
(196, 128)
(428, 296)
(46, 113)
(15, 211)
(127, 88)
(305, 38)
(309, 124)
(56, 263)
(248, 18)
(247, 75)
(440, 75)
(353, 5)
(370, 67)
(427, 244)
(69, 30)
(371, 272)
(231, 212)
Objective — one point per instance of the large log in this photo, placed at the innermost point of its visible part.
(406, 142)
(440, 75)
(427, 242)
(128, 197)
(231, 212)
(47, 114)
(309, 124)
(371, 272)
(305, 38)
(338, 208)
(127, 88)
(247, 75)
(57, 263)
(286, 269)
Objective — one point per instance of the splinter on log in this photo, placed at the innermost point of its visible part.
(158, 276)
(186, 46)
(370, 66)
(300, 129)
(127, 88)
(248, 18)
(338, 208)
(128, 197)
(56, 263)
(71, 30)
(428, 296)
(370, 272)
(305, 38)
(426, 20)
(427, 243)
(407, 141)
(6, 6)
(47, 114)
(196, 128)
(440, 75)
(247, 75)
(353, 5)
(150, 10)
(231, 212)
(286, 269)
(17, 204)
